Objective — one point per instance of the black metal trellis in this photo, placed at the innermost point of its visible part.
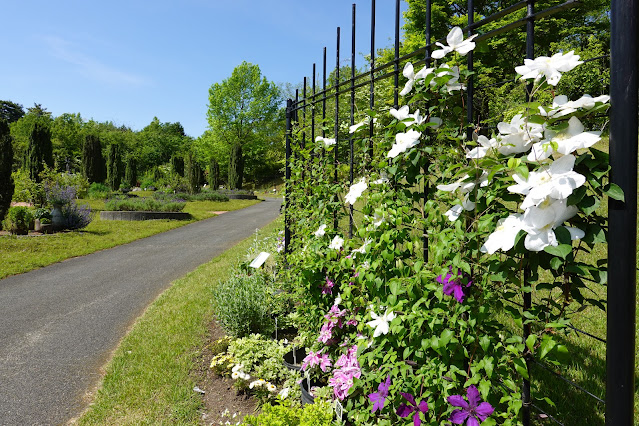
(624, 65)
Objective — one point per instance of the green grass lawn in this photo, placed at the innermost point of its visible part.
(149, 379)
(22, 254)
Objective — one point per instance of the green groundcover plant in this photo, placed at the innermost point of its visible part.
(400, 339)
(145, 204)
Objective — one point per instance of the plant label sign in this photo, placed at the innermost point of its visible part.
(259, 260)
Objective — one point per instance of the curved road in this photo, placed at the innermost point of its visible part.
(59, 324)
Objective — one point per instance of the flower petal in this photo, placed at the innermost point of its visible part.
(484, 410)
(458, 401)
(458, 417)
(410, 398)
(473, 396)
(404, 410)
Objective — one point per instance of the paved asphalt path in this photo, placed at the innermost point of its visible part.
(59, 324)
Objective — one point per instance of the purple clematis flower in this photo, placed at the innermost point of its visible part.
(379, 398)
(473, 412)
(455, 286)
(404, 410)
(327, 288)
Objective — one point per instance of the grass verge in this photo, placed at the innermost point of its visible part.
(22, 254)
(148, 380)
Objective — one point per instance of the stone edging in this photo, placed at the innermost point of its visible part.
(113, 215)
(241, 197)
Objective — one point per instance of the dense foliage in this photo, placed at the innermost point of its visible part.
(40, 152)
(93, 165)
(6, 160)
(236, 167)
(114, 167)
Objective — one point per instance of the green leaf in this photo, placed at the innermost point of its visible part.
(562, 250)
(547, 345)
(563, 235)
(520, 366)
(614, 191)
(530, 342)
(555, 263)
(513, 162)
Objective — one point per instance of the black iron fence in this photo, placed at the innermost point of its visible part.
(311, 108)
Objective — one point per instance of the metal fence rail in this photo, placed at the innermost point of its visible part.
(624, 63)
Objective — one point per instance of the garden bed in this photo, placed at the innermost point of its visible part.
(127, 215)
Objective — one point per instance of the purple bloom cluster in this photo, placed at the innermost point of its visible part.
(327, 288)
(343, 376)
(316, 358)
(60, 195)
(455, 286)
(405, 410)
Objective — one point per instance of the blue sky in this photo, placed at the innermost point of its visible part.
(128, 61)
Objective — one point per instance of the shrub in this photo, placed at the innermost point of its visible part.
(18, 220)
(6, 161)
(202, 196)
(74, 216)
(177, 165)
(194, 174)
(26, 190)
(318, 414)
(98, 191)
(240, 305)
(144, 205)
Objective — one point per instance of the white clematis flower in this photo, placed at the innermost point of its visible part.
(380, 323)
(400, 114)
(453, 213)
(377, 220)
(362, 249)
(540, 221)
(320, 231)
(557, 182)
(482, 149)
(364, 122)
(336, 243)
(409, 73)
(503, 238)
(404, 141)
(568, 141)
(518, 135)
(356, 191)
(456, 42)
(551, 68)
(326, 141)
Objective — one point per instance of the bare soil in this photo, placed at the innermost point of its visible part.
(221, 400)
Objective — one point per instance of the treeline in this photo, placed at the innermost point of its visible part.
(160, 154)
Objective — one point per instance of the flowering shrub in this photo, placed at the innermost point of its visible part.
(499, 209)
(74, 216)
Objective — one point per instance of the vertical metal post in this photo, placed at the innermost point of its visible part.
(622, 216)
(351, 142)
(313, 115)
(324, 103)
(287, 176)
(303, 143)
(335, 158)
(371, 102)
(527, 296)
(470, 88)
(425, 169)
(396, 80)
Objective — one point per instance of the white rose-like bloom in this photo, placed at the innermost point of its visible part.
(540, 221)
(551, 68)
(404, 141)
(457, 209)
(456, 42)
(503, 238)
(380, 323)
(355, 191)
(557, 182)
(327, 141)
(320, 231)
(336, 243)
